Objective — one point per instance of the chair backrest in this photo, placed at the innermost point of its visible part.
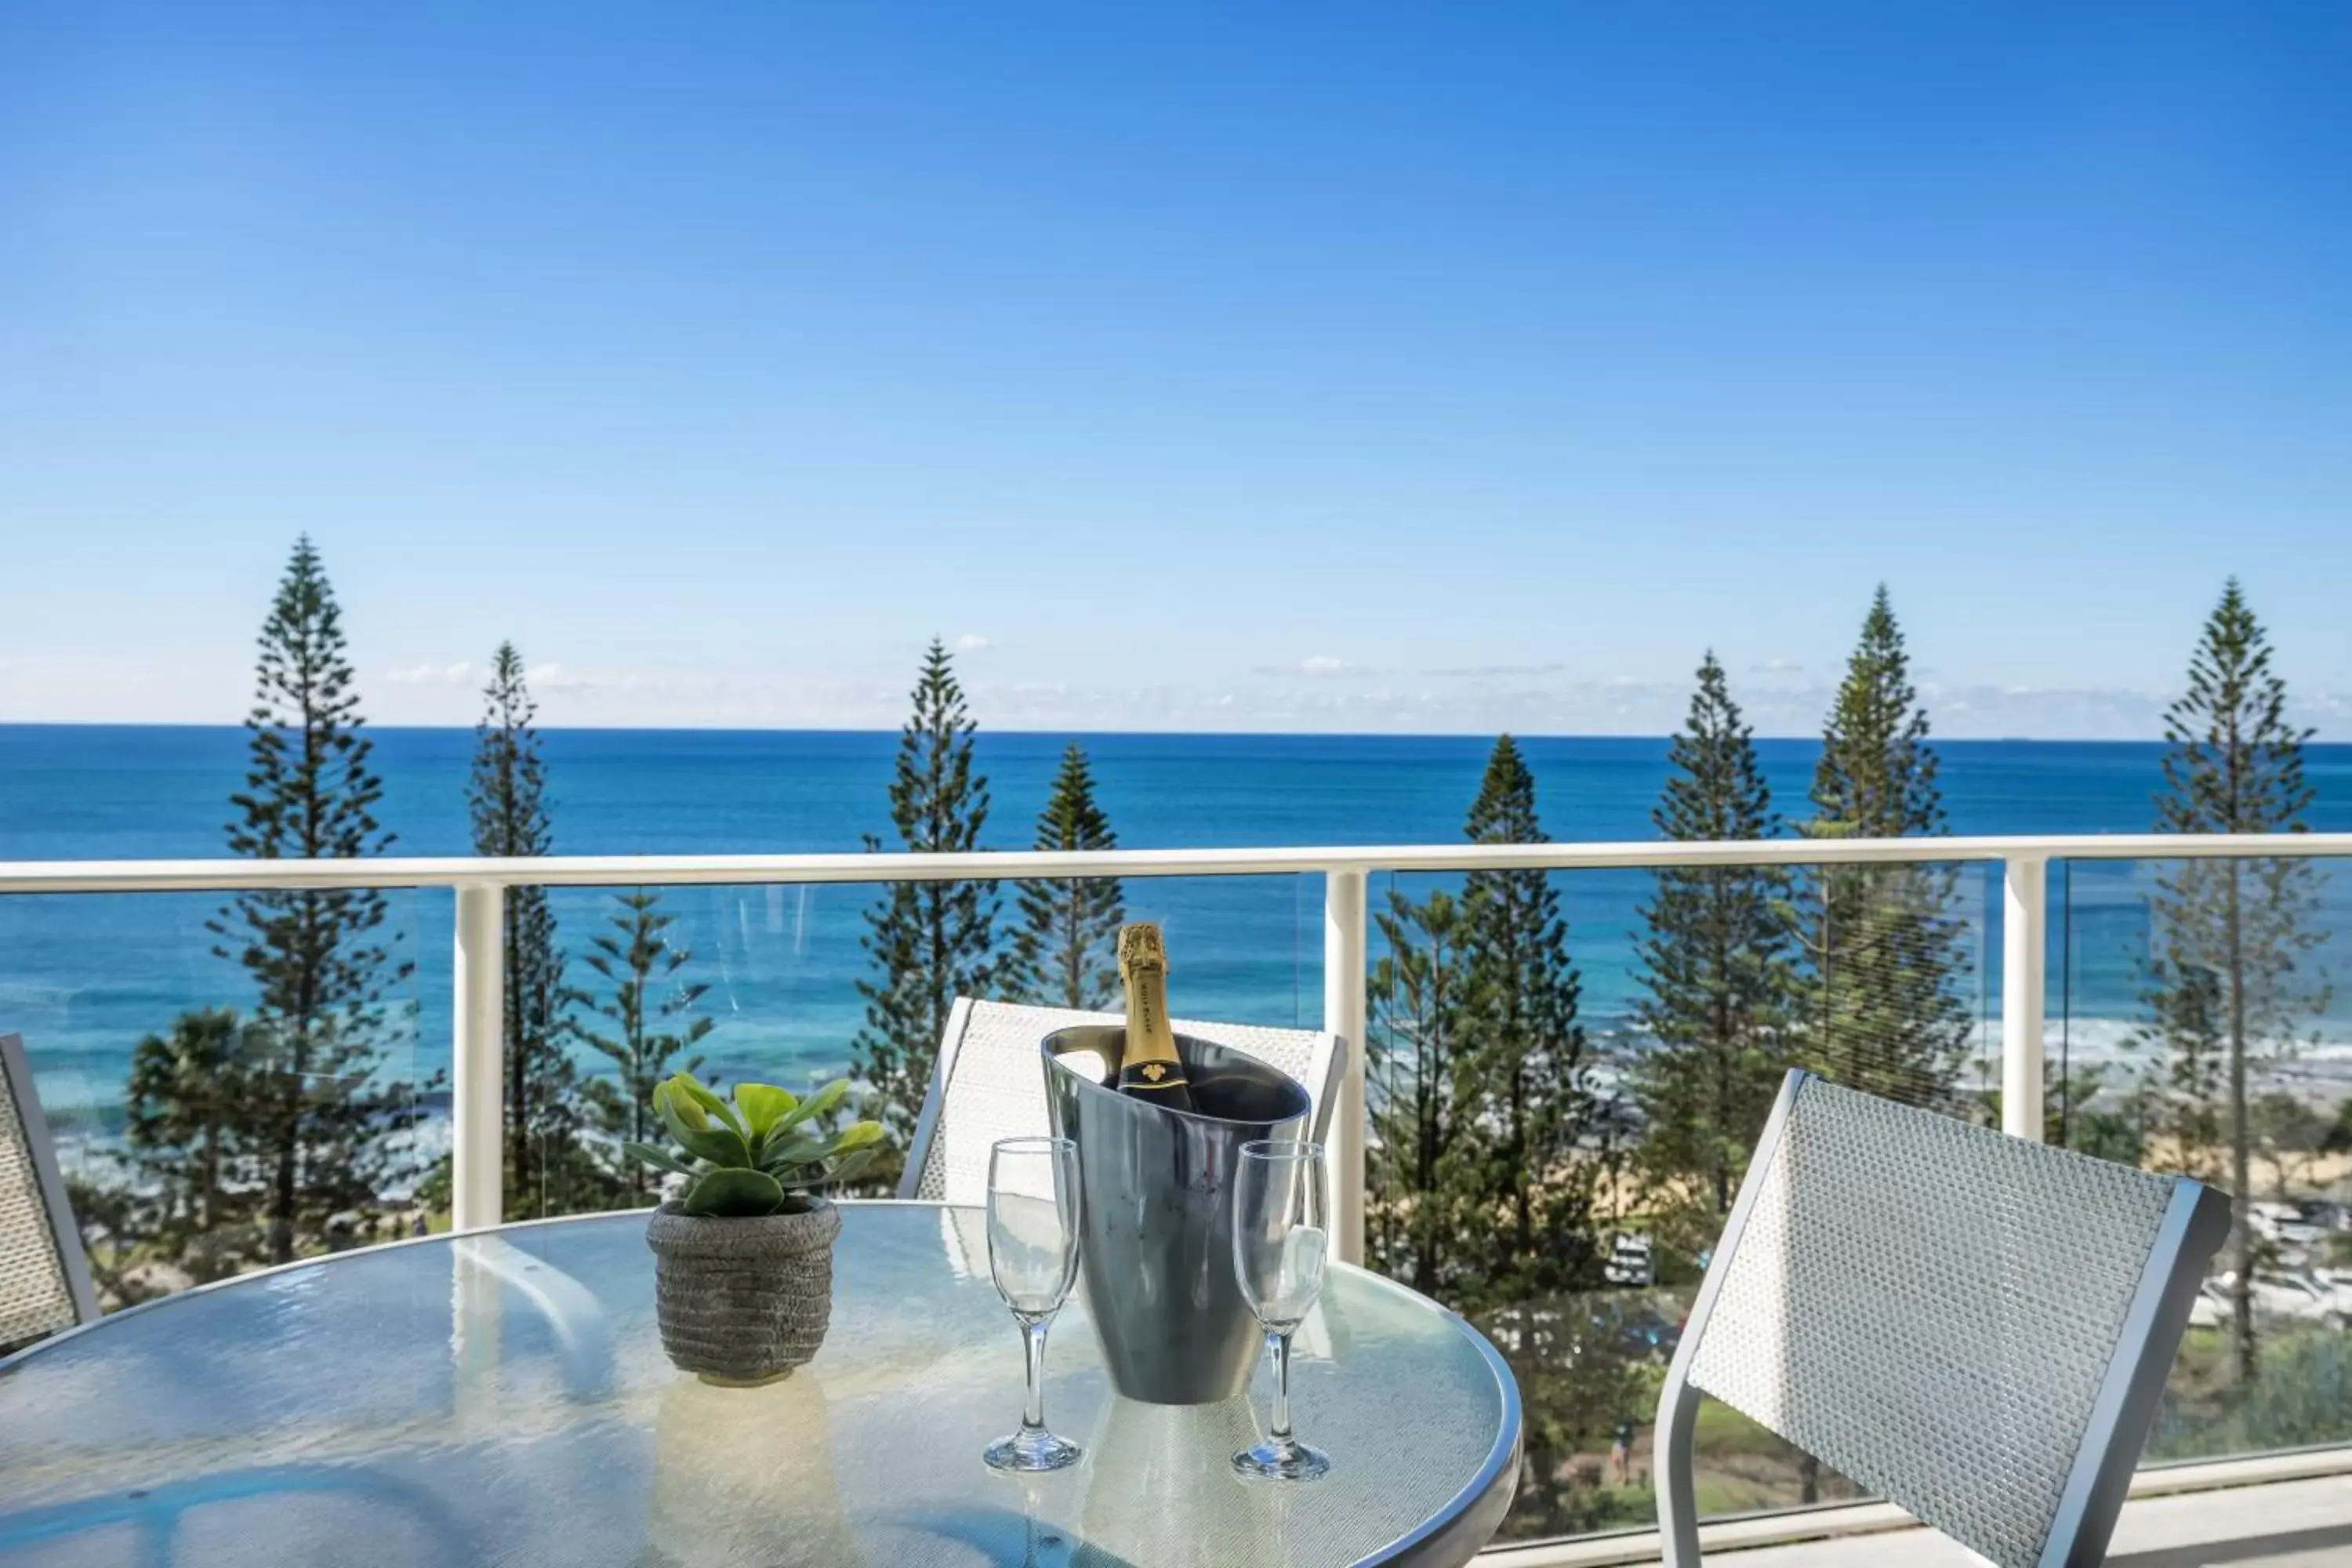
(1972, 1325)
(43, 1277)
(988, 1084)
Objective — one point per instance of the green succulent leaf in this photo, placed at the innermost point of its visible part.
(692, 1086)
(674, 1106)
(821, 1103)
(781, 1152)
(720, 1145)
(856, 1136)
(658, 1158)
(822, 1176)
(852, 1164)
(762, 1105)
(735, 1195)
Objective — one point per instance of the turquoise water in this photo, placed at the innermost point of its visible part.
(82, 977)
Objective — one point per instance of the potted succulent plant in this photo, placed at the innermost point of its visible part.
(743, 1258)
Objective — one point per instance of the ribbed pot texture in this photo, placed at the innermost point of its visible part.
(741, 1301)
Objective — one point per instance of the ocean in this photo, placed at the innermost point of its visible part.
(82, 978)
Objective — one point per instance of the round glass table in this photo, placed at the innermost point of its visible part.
(502, 1397)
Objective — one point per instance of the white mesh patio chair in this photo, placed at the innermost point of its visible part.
(43, 1277)
(988, 1084)
(1973, 1326)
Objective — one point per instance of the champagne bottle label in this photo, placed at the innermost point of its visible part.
(1150, 1069)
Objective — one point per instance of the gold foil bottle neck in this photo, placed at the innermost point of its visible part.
(1139, 947)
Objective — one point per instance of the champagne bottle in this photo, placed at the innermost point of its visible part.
(1150, 1069)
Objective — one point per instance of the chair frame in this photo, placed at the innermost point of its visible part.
(65, 1235)
(1331, 1049)
(2193, 1227)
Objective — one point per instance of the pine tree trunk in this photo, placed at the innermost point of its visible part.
(1722, 1052)
(1425, 1191)
(290, 1136)
(2241, 1234)
(518, 1065)
(211, 1167)
(1723, 1059)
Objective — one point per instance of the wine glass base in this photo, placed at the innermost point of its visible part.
(1281, 1462)
(1036, 1449)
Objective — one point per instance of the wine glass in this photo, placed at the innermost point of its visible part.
(1280, 1238)
(1033, 1254)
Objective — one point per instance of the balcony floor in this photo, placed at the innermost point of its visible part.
(2288, 1524)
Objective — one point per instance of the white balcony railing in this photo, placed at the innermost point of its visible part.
(480, 885)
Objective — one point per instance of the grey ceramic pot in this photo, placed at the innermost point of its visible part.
(742, 1301)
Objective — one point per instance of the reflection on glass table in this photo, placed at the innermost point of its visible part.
(504, 1397)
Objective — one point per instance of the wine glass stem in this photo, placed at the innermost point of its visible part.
(1033, 1340)
(1280, 1432)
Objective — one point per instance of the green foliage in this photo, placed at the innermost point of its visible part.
(1418, 1168)
(547, 1169)
(2299, 1396)
(1065, 949)
(316, 1112)
(1583, 1362)
(932, 942)
(2302, 1397)
(2339, 1138)
(759, 1155)
(1492, 1140)
(2290, 1134)
(1529, 1187)
(651, 1019)
(2232, 985)
(2082, 1113)
(188, 1146)
(1880, 1008)
(1718, 963)
(184, 1189)
(111, 1218)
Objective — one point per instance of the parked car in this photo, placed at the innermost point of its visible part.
(2323, 1215)
(2333, 1286)
(2282, 1222)
(2212, 1308)
(2293, 1298)
(1631, 1262)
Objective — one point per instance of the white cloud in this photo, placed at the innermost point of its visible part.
(1324, 692)
(971, 642)
(554, 676)
(432, 674)
(1315, 667)
(1496, 671)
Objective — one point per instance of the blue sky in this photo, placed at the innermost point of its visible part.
(1354, 367)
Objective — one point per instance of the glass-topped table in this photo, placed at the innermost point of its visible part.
(503, 1398)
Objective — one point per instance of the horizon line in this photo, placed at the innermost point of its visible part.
(1105, 733)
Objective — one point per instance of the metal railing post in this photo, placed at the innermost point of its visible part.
(478, 1077)
(1344, 975)
(2025, 927)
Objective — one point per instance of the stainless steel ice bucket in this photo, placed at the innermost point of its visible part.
(1157, 1217)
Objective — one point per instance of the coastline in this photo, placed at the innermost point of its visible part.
(84, 977)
